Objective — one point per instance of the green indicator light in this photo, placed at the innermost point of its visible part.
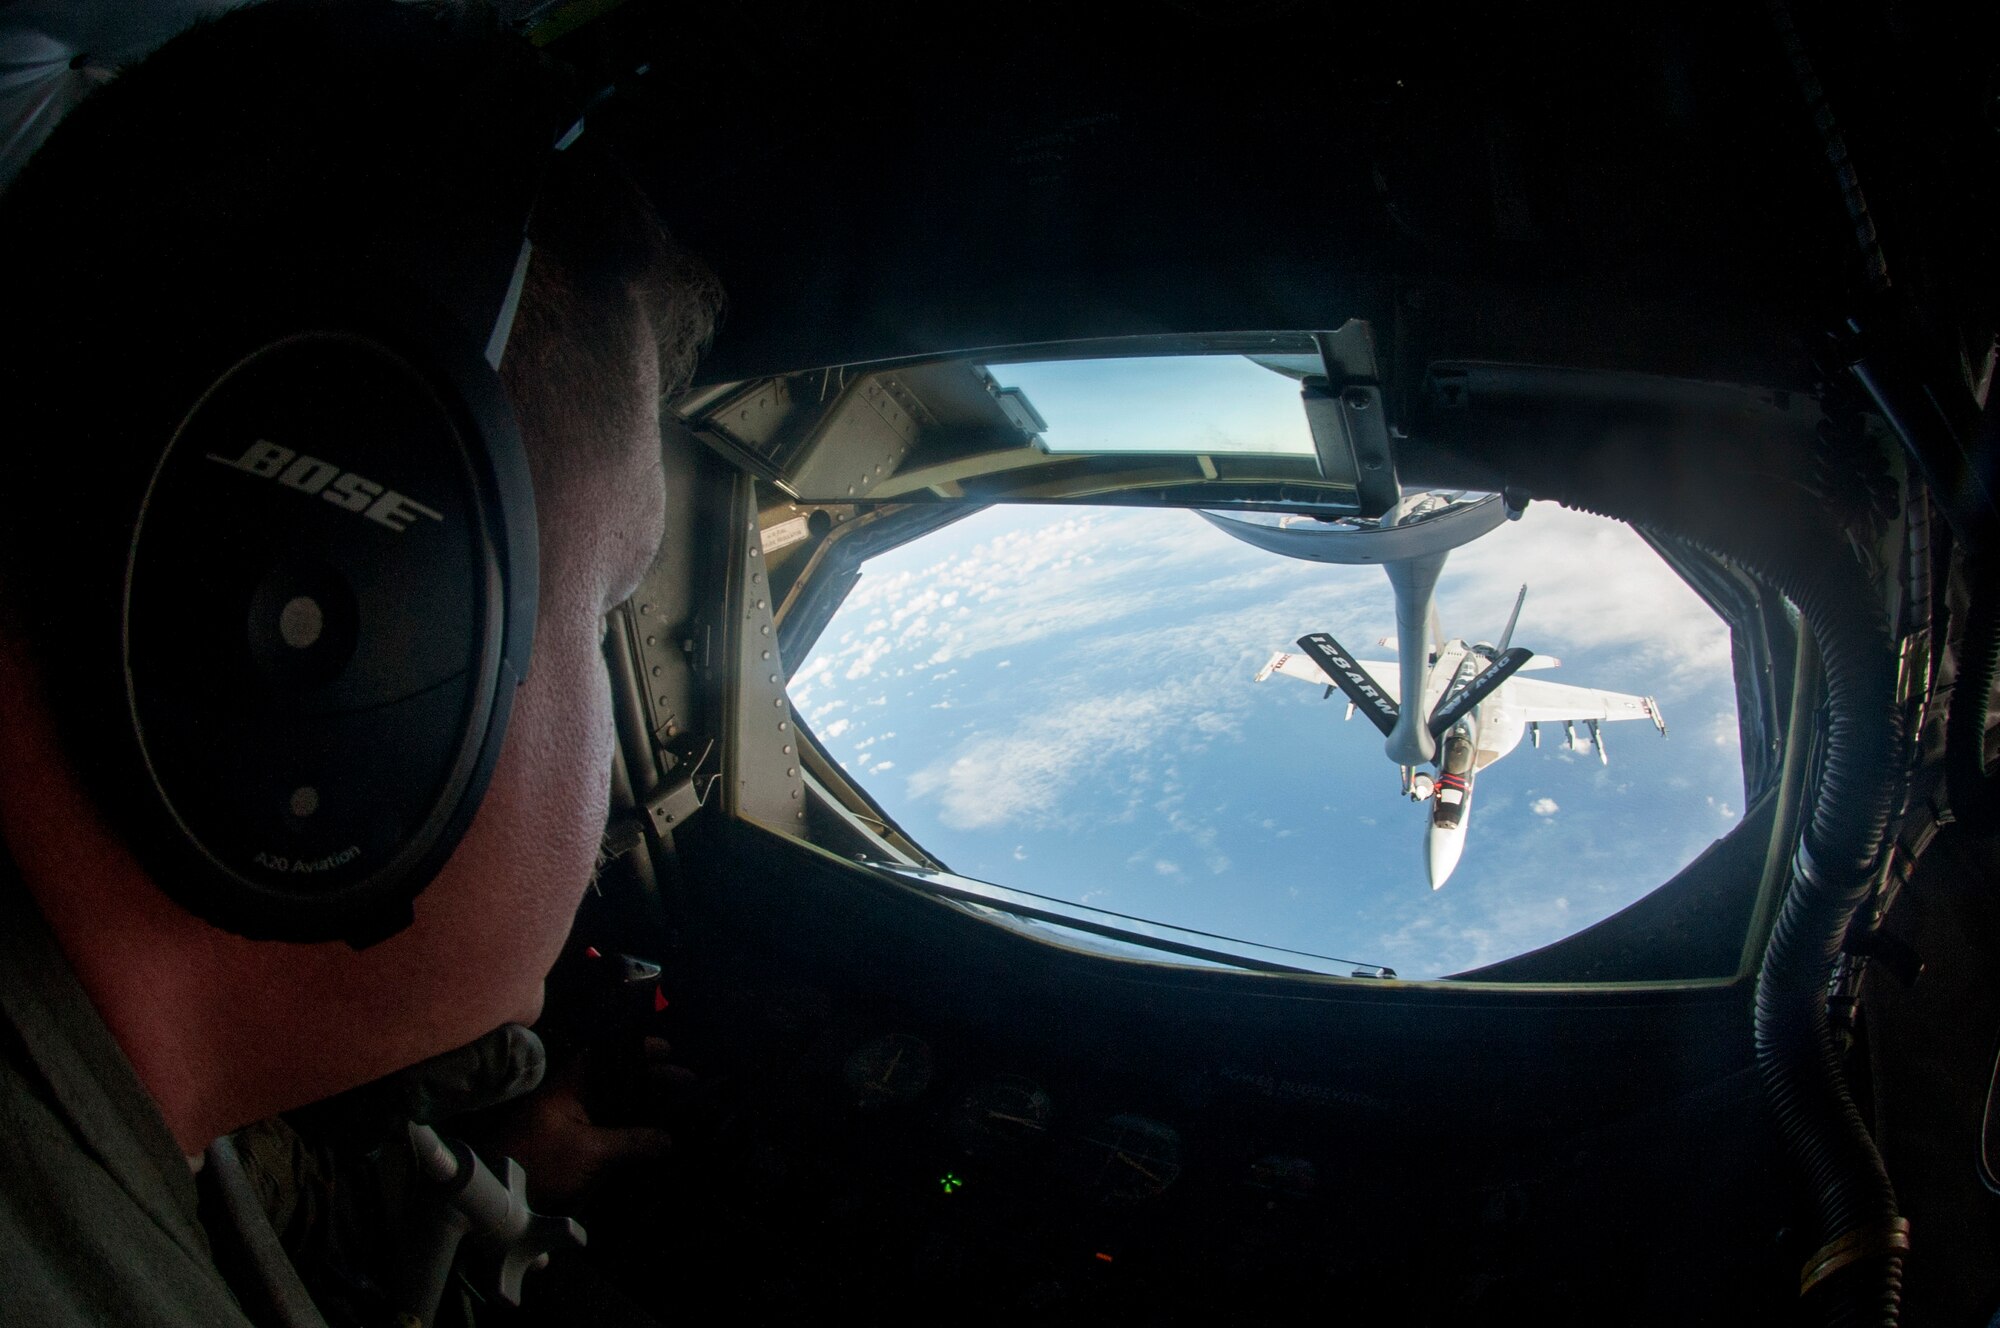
(950, 1183)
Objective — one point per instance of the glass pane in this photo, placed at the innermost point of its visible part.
(1202, 404)
(1063, 701)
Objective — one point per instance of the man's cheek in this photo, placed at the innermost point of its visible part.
(602, 734)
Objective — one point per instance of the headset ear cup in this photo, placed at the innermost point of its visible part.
(328, 601)
(273, 526)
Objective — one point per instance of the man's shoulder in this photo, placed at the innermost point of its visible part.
(98, 1213)
(81, 1246)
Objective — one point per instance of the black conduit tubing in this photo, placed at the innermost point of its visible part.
(1973, 799)
(1860, 1233)
(1874, 267)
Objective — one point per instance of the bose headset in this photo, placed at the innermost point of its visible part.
(329, 593)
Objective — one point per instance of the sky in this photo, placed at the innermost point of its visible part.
(1060, 699)
(1169, 403)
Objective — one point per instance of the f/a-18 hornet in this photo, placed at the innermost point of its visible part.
(1473, 712)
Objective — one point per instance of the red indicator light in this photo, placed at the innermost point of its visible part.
(659, 1000)
(590, 952)
(1102, 1257)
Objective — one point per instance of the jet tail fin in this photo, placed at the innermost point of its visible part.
(1351, 678)
(1457, 705)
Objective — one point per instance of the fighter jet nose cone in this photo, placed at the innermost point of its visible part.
(1441, 853)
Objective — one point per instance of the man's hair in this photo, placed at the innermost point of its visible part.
(605, 273)
(284, 141)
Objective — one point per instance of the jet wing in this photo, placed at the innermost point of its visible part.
(1297, 664)
(1537, 702)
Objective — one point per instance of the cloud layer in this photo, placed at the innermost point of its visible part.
(1066, 680)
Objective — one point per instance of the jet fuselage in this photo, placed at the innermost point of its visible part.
(1489, 732)
(1455, 708)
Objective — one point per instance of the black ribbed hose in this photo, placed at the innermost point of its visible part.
(1860, 1261)
(1859, 1231)
(1972, 794)
(1874, 266)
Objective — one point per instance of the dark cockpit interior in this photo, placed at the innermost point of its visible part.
(1729, 277)
(1587, 256)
